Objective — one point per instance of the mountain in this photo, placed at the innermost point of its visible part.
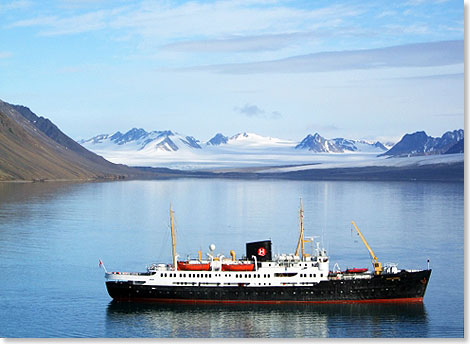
(252, 141)
(319, 144)
(139, 139)
(217, 140)
(456, 148)
(158, 149)
(419, 143)
(33, 148)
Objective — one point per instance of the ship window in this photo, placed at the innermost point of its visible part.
(314, 275)
(161, 275)
(310, 275)
(321, 275)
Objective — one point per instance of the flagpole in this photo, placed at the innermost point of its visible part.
(102, 265)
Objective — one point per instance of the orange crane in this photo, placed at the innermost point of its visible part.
(377, 265)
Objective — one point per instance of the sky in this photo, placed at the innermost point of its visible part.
(354, 69)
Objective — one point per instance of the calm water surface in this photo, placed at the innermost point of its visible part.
(52, 235)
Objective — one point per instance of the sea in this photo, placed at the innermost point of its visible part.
(53, 234)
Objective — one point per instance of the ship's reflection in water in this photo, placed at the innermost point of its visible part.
(247, 320)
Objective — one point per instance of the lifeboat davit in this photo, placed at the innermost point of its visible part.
(356, 270)
(238, 267)
(194, 266)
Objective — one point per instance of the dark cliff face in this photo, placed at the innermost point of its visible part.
(32, 148)
(217, 140)
(456, 148)
(410, 143)
(419, 143)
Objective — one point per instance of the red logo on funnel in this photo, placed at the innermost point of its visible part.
(261, 251)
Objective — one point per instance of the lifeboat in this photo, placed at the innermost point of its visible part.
(194, 266)
(356, 270)
(238, 267)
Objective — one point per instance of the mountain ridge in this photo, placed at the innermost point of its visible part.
(33, 148)
(419, 143)
(314, 143)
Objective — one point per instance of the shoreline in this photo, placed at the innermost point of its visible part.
(430, 173)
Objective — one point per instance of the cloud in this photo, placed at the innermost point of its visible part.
(162, 22)
(458, 114)
(410, 55)
(5, 54)
(55, 25)
(255, 112)
(15, 5)
(240, 44)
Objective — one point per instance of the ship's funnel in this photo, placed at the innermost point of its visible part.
(260, 249)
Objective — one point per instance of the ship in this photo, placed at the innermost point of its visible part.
(258, 277)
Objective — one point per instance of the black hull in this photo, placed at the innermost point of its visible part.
(401, 287)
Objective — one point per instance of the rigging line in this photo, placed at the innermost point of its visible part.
(165, 242)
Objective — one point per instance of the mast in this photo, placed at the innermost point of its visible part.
(173, 246)
(300, 244)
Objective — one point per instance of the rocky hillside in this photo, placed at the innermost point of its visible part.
(419, 143)
(33, 148)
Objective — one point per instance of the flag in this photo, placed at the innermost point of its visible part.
(100, 264)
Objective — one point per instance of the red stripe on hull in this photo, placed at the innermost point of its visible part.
(398, 300)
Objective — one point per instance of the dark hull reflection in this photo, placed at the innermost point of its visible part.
(252, 320)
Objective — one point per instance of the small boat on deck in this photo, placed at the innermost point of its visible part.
(356, 270)
(196, 266)
(238, 267)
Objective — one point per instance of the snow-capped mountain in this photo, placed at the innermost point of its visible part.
(138, 147)
(139, 139)
(217, 140)
(419, 143)
(319, 144)
(255, 141)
